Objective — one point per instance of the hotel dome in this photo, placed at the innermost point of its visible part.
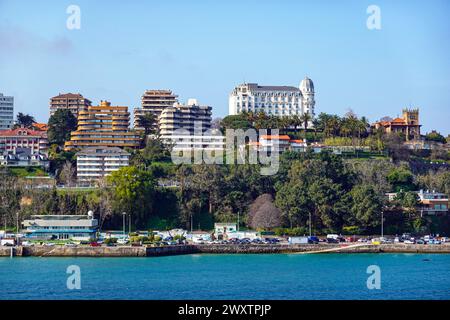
(307, 86)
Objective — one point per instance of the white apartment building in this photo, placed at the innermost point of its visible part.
(97, 162)
(6, 112)
(273, 100)
(204, 142)
(191, 117)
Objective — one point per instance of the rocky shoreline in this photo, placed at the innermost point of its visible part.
(128, 251)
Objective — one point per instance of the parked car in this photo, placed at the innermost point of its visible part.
(313, 240)
(408, 242)
(95, 244)
(420, 241)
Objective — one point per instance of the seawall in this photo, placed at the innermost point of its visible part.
(126, 251)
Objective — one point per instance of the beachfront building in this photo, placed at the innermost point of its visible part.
(154, 101)
(6, 112)
(103, 126)
(74, 102)
(61, 227)
(97, 162)
(408, 125)
(23, 138)
(273, 100)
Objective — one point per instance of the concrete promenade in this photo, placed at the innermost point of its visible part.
(129, 251)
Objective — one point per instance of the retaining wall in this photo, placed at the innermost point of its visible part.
(62, 251)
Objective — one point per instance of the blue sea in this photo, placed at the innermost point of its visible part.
(277, 276)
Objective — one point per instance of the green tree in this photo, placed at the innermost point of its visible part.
(60, 125)
(239, 121)
(435, 136)
(305, 119)
(133, 192)
(366, 206)
(148, 122)
(401, 178)
(25, 120)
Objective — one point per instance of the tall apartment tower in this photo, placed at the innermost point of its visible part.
(154, 101)
(103, 126)
(75, 102)
(6, 112)
(190, 117)
(273, 100)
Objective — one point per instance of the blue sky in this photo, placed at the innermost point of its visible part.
(202, 49)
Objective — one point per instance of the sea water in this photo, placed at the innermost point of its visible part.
(229, 276)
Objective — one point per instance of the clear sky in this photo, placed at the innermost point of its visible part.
(202, 49)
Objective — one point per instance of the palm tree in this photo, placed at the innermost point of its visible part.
(305, 119)
(364, 125)
(296, 121)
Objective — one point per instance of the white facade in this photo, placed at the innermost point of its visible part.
(95, 163)
(6, 112)
(273, 100)
(197, 142)
(63, 227)
(191, 118)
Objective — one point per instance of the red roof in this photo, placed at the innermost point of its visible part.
(21, 132)
(398, 120)
(40, 126)
(275, 137)
(296, 141)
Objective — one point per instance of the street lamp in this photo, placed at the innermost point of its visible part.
(382, 221)
(17, 227)
(129, 224)
(238, 222)
(124, 214)
(310, 223)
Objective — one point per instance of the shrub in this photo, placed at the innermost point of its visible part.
(351, 230)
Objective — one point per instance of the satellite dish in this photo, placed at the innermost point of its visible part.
(90, 213)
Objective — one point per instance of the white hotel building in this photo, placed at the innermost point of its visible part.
(97, 162)
(273, 100)
(6, 112)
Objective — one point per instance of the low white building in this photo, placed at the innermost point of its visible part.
(222, 228)
(62, 227)
(97, 162)
(194, 143)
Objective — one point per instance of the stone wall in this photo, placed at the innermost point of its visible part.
(62, 251)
